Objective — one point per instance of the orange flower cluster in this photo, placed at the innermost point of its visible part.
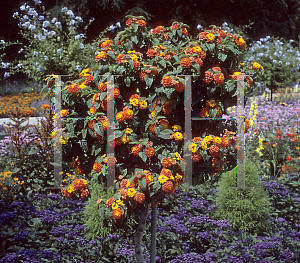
(292, 136)
(215, 73)
(126, 114)
(133, 20)
(167, 81)
(213, 150)
(73, 88)
(186, 62)
(97, 167)
(287, 169)
(80, 186)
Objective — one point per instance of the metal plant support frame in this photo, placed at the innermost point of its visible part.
(240, 177)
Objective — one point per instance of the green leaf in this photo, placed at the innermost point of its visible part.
(99, 129)
(148, 80)
(98, 151)
(213, 112)
(143, 183)
(169, 92)
(131, 63)
(33, 151)
(143, 155)
(84, 132)
(135, 27)
(181, 165)
(156, 186)
(111, 54)
(135, 40)
(210, 47)
(162, 62)
(164, 136)
(118, 133)
(127, 81)
(222, 57)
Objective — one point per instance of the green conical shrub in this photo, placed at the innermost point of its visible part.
(246, 209)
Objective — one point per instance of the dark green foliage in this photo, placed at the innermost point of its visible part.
(246, 209)
(97, 226)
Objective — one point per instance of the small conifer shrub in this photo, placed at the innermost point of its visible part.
(246, 209)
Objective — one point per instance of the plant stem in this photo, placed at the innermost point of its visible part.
(139, 234)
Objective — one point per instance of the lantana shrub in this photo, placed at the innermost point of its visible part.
(149, 113)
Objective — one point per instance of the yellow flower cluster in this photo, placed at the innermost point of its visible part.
(260, 147)
(253, 112)
(193, 147)
(206, 141)
(162, 179)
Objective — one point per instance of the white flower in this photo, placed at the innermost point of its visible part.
(3, 42)
(32, 12)
(32, 27)
(274, 61)
(15, 14)
(23, 7)
(52, 33)
(224, 24)
(119, 24)
(20, 65)
(79, 18)
(111, 28)
(40, 68)
(54, 20)
(21, 50)
(81, 45)
(59, 51)
(92, 19)
(6, 74)
(78, 68)
(35, 53)
(46, 23)
(199, 27)
(58, 24)
(5, 65)
(40, 37)
(70, 13)
(37, 1)
(64, 9)
(72, 22)
(287, 63)
(79, 36)
(41, 17)
(45, 57)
